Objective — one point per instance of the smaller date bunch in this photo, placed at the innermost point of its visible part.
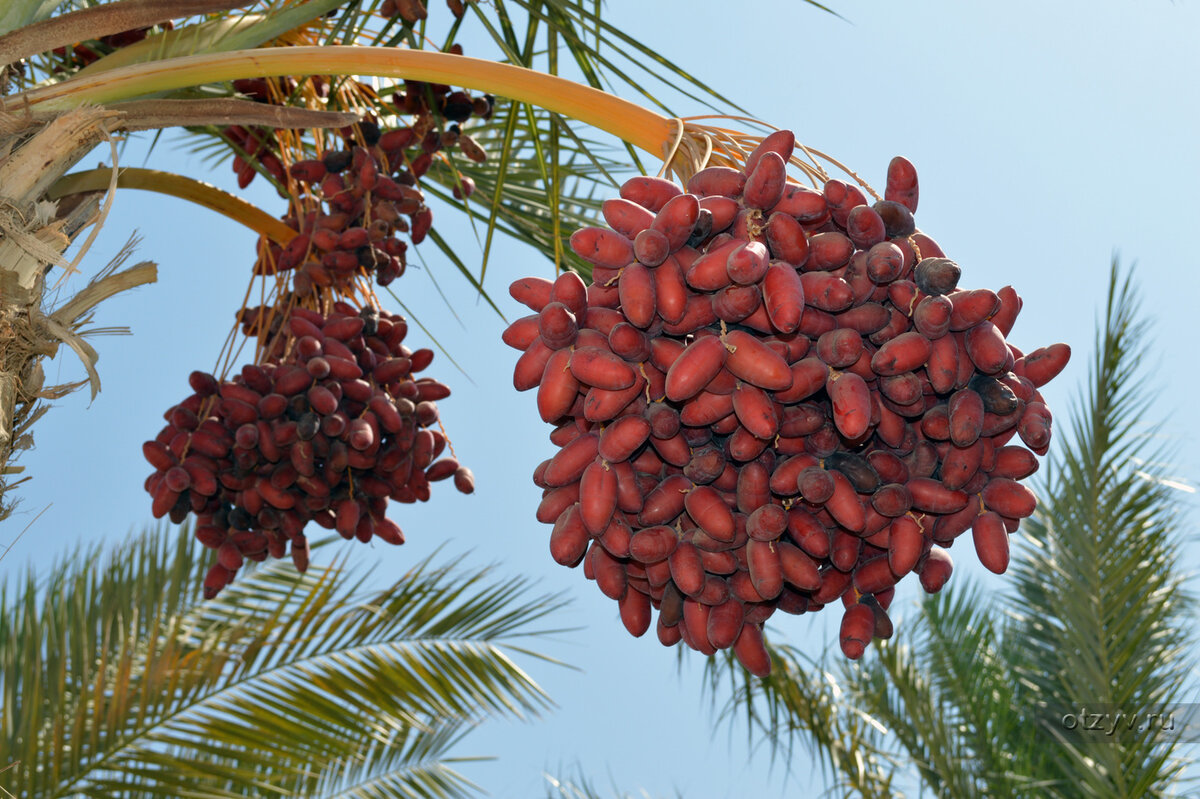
(327, 429)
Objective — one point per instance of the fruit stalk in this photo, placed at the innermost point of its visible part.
(629, 121)
(185, 188)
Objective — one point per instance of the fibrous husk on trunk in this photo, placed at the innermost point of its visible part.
(34, 235)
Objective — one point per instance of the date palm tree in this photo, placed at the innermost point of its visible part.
(983, 695)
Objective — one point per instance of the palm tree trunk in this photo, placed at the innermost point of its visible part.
(34, 234)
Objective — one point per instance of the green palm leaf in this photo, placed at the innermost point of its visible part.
(801, 701)
(416, 763)
(1100, 602)
(947, 696)
(116, 681)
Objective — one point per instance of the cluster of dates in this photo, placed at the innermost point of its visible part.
(360, 202)
(327, 431)
(772, 398)
(355, 228)
(331, 421)
(438, 111)
(355, 207)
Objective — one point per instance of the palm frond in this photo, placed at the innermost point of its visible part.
(63, 638)
(962, 650)
(606, 54)
(946, 694)
(1101, 605)
(802, 702)
(607, 58)
(415, 763)
(977, 698)
(116, 679)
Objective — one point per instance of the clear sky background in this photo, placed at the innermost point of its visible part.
(1047, 136)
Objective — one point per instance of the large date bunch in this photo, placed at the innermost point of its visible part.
(773, 397)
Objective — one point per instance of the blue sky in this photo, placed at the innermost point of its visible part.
(1047, 138)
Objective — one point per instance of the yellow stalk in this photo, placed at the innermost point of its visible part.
(628, 121)
(179, 186)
